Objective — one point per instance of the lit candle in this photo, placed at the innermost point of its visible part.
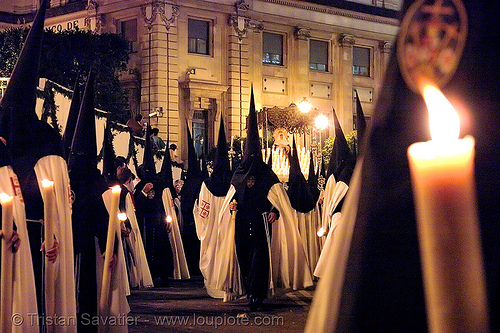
(49, 201)
(232, 140)
(442, 174)
(110, 244)
(7, 264)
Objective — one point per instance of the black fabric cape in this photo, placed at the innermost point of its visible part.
(383, 289)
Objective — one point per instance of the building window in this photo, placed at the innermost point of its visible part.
(272, 49)
(361, 61)
(129, 32)
(318, 55)
(200, 132)
(198, 36)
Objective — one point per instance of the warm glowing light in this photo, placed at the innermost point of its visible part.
(321, 232)
(304, 106)
(122, 216)
(443, 119)
(169, 218)
(116, 189)
(47, 183)
(5, 198)
(321, 122)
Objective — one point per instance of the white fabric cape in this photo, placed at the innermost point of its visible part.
(181, 270)
(54, 168)
(206, 212)
(120, 288)
(142, 275)
(334, 192)
(309, 223)
(24, 290)
(323, 315)
(289, 266)
(324, 259)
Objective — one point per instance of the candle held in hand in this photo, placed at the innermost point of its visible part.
(442, 175)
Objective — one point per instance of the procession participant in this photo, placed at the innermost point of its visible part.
(151, 218)
(256, 190)
(304, 203)
(180, 266)
(189, 193)
(36, 151)
(206, 210)
(374, 279)
(24, 299)
(89, 217)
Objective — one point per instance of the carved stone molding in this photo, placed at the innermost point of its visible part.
(241, 25)
(241, 6)
(346, 40)
(302, 33)
(385, 47)
(159, 7)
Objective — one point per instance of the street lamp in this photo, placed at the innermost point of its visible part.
(304, 105)
(321, 122)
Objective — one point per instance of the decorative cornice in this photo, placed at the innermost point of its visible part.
(302, 33)
(335, 11)
(158, 7)
(241, 6)
(346, 40)
(385, 47)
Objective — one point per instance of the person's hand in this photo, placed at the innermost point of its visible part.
(113, 261)
(147, 187)
(271, 217)
(125, 231)
(233, 206)
(320, 201)
(52, 253)
(168, 227)
(14, 240)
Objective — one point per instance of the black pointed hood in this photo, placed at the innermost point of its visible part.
(299, 193)
(20, 95)
(148, 162)
(108, 157)
(270, 158)
(83, 153)
(193, 166)
(360, 122)
(74, 110)
(220, 180)
(342, 161)
(165, 175)
(204, 168)
(312, 179)
(252, 142)
(384, 257)
(252, 163)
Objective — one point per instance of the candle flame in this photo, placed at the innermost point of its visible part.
(321, 232)
(122, 216)
(116, 189)
(443, 119)
(47, 183)
(5, 198)
(169, 218)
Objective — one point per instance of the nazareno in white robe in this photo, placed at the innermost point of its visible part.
(141, 276)
(289, 266)
(120, 289)
(206, 212)
(54, 168)
(24, 300)
(181, 270)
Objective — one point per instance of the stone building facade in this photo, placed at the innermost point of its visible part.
(196, 60)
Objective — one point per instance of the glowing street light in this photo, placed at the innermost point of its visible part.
(304, 106)
(321, 122)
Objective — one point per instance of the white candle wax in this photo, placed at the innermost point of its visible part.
(7, 264)
(110, 244)
(442, 175)
(49, 202)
